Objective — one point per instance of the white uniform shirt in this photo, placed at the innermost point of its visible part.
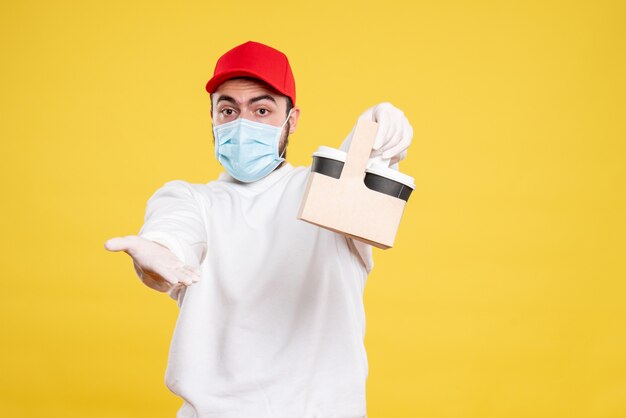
(275, 327)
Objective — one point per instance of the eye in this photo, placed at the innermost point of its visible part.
(227, 111)
(263, 111)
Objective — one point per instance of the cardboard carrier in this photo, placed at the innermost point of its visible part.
(365, 203)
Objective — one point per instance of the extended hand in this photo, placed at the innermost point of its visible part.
(394, 133)
(156, 265)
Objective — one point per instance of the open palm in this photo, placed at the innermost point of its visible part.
(156, 265)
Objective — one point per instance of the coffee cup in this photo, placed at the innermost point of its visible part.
(378, 176)
(389, 181)
(328, 161)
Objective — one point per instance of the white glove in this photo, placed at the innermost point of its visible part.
(394, 132)
(156, 265)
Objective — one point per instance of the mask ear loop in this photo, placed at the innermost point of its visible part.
(281, 131)
(286, 120)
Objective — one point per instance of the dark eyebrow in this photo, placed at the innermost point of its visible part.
(226, 99)
(229, 99)
(264, 97)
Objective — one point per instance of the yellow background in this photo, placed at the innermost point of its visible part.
(505, 293)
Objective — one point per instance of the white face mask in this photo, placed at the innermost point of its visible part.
(248, 150)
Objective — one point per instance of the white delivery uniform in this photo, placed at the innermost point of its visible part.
(275, 326)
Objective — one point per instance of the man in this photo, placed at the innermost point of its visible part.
(271, 319)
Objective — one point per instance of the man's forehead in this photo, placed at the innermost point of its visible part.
(244, 88)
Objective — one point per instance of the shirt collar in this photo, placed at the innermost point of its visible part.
(258, 185)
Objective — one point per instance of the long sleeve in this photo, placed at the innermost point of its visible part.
(175, 218)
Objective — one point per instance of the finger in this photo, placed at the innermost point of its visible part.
(393, 139)
(376, 153)
(390, 124)
(401, 144)
(183, 277)
(397, 158)
(117, 244)
(170, 277)
(395, 150)
(167, 274)
(185, 274)
(382, 133)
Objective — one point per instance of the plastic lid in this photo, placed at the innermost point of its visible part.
(332, 153)
(392, 174)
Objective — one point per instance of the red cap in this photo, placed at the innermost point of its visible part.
(255, 60)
